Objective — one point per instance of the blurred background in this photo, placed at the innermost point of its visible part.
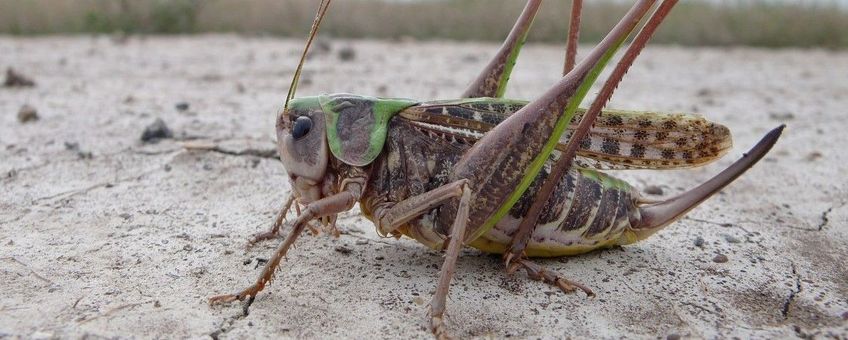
(138, 154)
(761, 23)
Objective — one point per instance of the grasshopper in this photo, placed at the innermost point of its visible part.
(503, 176)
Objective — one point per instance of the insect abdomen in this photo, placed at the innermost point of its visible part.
(588, 210)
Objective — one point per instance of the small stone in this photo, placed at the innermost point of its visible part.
(781, 116)
(323, 46)
(157, 304)
(673, 336)
(470, 58)
(182, 106)
(845, 316)
(156, 131)
(699, 242)
(15, 79)
(653, 190)
(812, 156)
(418, 300)
(27, 114)
(344, 250)
(704, 92)
(731, 239)
(347, 53)
(720, 258)
(75, 147)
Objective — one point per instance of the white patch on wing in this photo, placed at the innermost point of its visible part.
(450, 129)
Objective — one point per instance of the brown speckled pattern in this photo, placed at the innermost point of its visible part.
(619, 140)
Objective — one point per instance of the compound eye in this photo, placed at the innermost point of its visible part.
(301, 127)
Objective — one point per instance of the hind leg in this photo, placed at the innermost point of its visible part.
(539, 273)
(491, 82)
(520, 238)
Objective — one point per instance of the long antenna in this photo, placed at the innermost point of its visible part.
(322, 9)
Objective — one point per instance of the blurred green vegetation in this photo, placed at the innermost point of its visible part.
(752, 23)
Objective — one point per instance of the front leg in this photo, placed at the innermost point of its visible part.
(278, 222)
(327, 206)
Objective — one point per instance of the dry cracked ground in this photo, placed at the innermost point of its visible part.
(104, 235)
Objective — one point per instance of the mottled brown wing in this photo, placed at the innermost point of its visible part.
(619, 140)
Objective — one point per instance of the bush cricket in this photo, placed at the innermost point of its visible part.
(504, 176)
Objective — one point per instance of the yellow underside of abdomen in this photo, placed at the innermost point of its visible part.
(552, 250)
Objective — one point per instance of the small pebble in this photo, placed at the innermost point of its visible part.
(75, 147)
(344, 250)
(781, 116)
(699, 242)
(653, 190)
(347, 53)
(845, 316)
(156, 131)
(323, 46)
(15, 79)
(720, 258)
(812, 156)
(182, 106)
(731, 239)
(27, 114)
(673, 336)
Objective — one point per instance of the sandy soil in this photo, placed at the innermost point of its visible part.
(103, 235)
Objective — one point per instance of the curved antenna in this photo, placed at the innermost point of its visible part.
(322, 9)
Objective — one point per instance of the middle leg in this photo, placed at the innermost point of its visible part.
(455, 243)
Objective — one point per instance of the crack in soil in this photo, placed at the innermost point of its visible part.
(227, 325)
(797, 289)
(268, 153)
(261, 153)
(824, 219)
(132, 178)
